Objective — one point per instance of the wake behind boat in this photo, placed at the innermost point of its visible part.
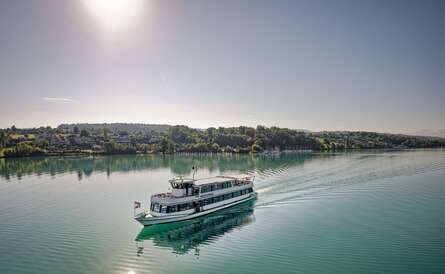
(191, 198)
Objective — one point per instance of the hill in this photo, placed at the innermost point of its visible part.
(131, 128)
(121, 138)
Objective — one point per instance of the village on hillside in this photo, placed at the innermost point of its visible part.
(121, 138)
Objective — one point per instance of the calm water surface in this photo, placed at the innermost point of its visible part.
(361, 212)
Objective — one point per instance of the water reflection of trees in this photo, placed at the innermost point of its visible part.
(178, 164)
(185, 236)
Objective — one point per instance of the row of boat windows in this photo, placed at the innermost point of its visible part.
(223, 185)
(168, 209)
(214, 187)
(226, 196)
(181, 207)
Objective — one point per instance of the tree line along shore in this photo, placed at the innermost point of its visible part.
(121, 138)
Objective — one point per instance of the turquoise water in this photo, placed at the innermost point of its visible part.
(361, 212)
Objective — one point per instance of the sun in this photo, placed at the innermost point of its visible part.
(114, 15)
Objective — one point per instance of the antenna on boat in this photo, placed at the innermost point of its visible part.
(194, 171)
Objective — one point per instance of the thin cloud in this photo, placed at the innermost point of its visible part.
(56, 100)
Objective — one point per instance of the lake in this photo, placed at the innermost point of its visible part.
(356, 212)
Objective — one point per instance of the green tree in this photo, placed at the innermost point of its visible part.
(40, 143)
(164, 145)
(76, 130)
(2, 138)
(105, 134)
(23, 149)
(84, 133)
(215, 148)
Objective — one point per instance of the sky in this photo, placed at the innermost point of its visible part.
(319, 65)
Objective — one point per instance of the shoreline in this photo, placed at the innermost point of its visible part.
(264, 153)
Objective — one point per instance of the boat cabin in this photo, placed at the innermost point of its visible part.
(183, 187)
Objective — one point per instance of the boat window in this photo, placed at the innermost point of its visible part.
(172, 208)
(195, 191)
(156, 207)
(185, 206)
(163, 209)
(227, 196)
(205, 189)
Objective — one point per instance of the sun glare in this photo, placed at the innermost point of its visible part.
(114, 15)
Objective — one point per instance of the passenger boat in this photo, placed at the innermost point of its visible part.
(191, 198)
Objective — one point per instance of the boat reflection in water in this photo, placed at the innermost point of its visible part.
(187, 235)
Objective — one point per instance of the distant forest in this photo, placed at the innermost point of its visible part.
(131, 128)
(122, 138)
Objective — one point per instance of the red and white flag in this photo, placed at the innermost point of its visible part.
(136, 204)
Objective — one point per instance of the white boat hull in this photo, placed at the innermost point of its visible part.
(147, 220)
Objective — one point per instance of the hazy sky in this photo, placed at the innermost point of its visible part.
(353, 65)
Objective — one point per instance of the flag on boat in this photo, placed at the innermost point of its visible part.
(137, 204)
